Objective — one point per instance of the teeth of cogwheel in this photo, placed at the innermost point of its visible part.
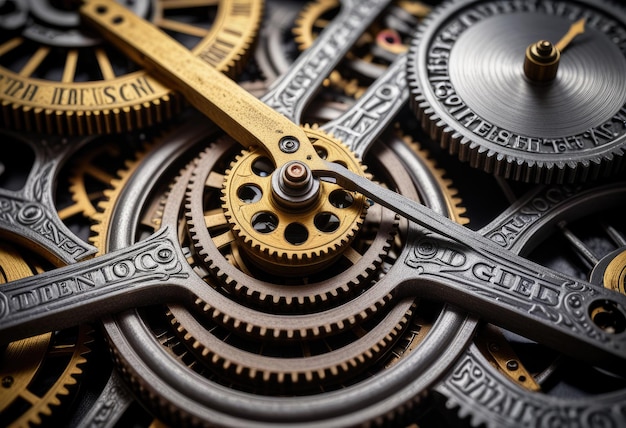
(282, 239)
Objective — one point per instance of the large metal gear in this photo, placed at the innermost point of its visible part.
(222, 357)
(59, 78)
(396, 324)
(271, 231)
(473, 93)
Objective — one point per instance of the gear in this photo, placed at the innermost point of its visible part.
(278, 238)
(58, 78)
(376, 49)
(39, 373)
(223, 348)
(580, 233)
(472, 93)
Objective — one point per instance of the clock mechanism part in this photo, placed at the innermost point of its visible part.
(312, 325)
(376, 48)
(586, 237)
(39, 375)
(490, 86)
(60, 77)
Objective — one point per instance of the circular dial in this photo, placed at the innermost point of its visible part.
(56, 76)
(471, 89)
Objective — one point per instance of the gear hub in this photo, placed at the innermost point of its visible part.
(286, 220)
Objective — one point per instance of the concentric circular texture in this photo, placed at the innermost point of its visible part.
(486, 68)
(470, 91)
(185, 394)
(283, 239)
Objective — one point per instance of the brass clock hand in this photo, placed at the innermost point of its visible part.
(542, 58)
(251, 122)
(576, 29)
(237, 112)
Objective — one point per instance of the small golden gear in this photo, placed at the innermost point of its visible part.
(63, 80)
(39, 372)
(280, 238)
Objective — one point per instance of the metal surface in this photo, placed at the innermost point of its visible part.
(234, 288)
(469, 90)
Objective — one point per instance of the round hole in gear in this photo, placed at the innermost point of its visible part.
(296, 234)
(607, 316)
(263, 166)
(264, 222)
(341, 199)
(321, 152)
(249, 193)
(326, 222)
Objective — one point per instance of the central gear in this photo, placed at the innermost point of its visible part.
(288, 234)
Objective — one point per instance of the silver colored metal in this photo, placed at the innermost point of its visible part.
(293, 91)
(541, 304)
(474, 388)
(446, 261)
(363, 123)
(202, 399)
(453, 263)
(28, 213)
(56, 23)
(292, 194)
(114, 399)
(272, 53)
(470, 94)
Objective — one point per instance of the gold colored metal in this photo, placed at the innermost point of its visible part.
(615, 274)
(117, 102)
(272, 250)
(22, 361)
(494, 345)
(542, 58)
(576, 29)
(542, 61)
(243, 116)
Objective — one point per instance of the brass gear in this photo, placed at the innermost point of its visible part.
(615, 274)
(182, 335)
(37, 374)
(279, 239)
(364, 348)
(305, 367)
(94, 91)
(101, 216)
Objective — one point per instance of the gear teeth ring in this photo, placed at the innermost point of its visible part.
(282, 240)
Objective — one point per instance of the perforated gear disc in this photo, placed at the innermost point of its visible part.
(286, 240)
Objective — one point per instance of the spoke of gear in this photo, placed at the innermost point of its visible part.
(376, 49)
(58, 78)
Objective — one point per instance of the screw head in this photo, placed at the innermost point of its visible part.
(289, 144)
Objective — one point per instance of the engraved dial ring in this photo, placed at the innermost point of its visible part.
(471, 92)
(57, 77)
